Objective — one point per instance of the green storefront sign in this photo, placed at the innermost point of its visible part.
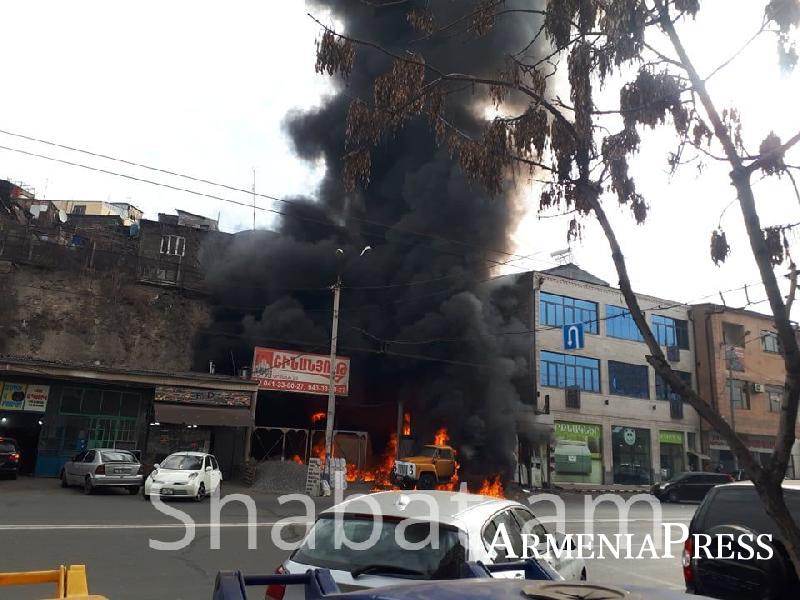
(671, 437)
(577, 452)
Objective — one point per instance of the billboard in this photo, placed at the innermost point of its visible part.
(13, 396)
(289, 371)
(36, 398)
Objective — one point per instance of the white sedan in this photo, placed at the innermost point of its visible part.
(184, 474)
(465, 533)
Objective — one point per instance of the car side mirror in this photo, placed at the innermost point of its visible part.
(156, 467)
(208, 468)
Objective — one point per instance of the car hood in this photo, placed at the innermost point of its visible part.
(169, 476)
(417, 459)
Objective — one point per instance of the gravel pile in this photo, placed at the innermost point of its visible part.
(280, 477)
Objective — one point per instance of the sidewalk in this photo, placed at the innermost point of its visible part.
(600, 488)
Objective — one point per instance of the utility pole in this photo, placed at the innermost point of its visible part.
(337, 290)
(731, 357)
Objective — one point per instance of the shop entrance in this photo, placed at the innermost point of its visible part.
(671, 450)
(631, 453)
(23, 427)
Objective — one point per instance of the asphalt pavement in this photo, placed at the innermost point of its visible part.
(42, 526)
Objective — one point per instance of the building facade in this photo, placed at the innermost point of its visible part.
(100, 208)
(740, 371)
(615, 420)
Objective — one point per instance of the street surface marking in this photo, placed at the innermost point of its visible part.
(142, 526)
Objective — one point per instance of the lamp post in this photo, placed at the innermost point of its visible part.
(331, 413)
(731, 357)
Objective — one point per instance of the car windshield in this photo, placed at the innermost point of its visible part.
(118, 456)
(443, 561)
(7, 447)
(428, 451)
(182, 462)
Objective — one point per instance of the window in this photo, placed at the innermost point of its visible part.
(89, 458)
(563, 310)
(663, 389)
(446, 454)
(775, 396)
(514, 535)
(80, 209)
(562, 370)
(529, 524)
(770, 342)
(733, 335)
(214, 464)
(619, 324)
(174, 245)
(671, 332)
(628, 380)
(741, 398)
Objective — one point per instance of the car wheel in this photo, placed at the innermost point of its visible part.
(201, 493)
(673, 496)
(64, 480)
(145, 495)
(583, 574)
(88, 488)
(133, 490)
(426, 482)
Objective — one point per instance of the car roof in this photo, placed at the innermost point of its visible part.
(788, 484)
(110, 450)
(188, 453)
(451, 507)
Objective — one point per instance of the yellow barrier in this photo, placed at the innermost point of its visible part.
(70, 581)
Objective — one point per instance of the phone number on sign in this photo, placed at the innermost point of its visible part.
(300, 386)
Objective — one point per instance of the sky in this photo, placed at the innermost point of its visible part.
(193, 88)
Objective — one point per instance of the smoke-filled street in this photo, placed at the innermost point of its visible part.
(110, 534)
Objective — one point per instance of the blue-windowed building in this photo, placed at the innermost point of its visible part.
(614, 419)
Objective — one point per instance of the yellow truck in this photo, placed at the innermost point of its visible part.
(70, 582)
(433, 465)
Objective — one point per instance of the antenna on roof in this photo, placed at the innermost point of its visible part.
(562, 257)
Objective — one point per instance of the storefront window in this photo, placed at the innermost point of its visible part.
(631, 448)
(671, 449)
(578, 452)
(165, 439)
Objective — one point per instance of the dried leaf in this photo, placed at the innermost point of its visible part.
(421, 19)
(647, 100)
(771, 155)
(774, 240)
(334, 55)
(719, 247)
(356, 169)
(483, 17)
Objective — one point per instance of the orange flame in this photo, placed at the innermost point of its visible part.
(317, 417)
(318, 449)
(407, 423)
(296, 459)
(492, 488)
(441, 438)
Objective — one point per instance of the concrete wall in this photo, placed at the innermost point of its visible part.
(604, 408)
(70, 316)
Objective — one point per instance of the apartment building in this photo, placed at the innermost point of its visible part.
(615, 420)
(740, 371)
(100, 208)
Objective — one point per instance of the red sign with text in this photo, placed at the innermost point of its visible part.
(288, 371)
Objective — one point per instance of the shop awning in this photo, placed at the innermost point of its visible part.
(698, 455)
(203, 415)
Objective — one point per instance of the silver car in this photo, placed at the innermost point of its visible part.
(103, 467)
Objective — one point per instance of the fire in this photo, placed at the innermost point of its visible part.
(407, 423)
(318, 449)
(296, 459)
(317, 417)
(378, 475)
(441, 438)
(492, 488)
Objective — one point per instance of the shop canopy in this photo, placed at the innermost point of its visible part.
(203, 415)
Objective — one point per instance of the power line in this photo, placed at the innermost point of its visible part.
(250, 192)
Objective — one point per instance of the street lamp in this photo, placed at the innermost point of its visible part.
(337, 289)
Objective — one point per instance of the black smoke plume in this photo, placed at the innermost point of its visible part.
(419, 319)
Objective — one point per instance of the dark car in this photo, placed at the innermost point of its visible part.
(736, 510)
(692, 485)
(9, 457)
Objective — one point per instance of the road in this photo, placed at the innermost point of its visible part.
(43, 526)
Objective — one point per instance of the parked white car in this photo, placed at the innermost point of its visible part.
(184, 474)
(464, 534)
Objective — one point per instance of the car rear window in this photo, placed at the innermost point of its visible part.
(118, 456)
(740, 505)
(443, 562)
(7, 447)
